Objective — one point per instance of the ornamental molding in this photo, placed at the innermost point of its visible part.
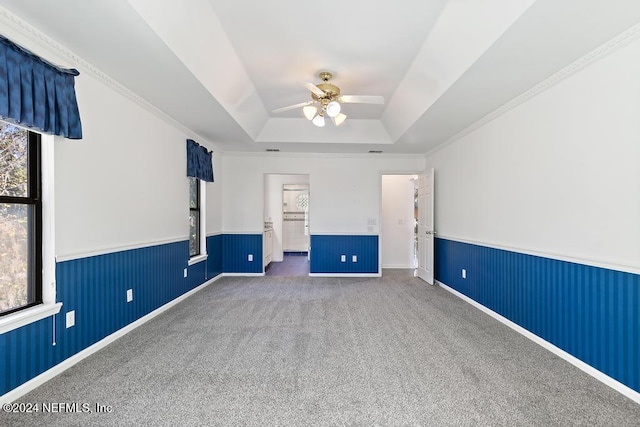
(600, 52)
(51, 46)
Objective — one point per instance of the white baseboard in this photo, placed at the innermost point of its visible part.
(345, 274)
(242, 274)
(399, 266)
(614, 384)
(35, 382)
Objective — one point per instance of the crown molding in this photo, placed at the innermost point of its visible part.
(49, 45)
(298, 155)
(598, 53)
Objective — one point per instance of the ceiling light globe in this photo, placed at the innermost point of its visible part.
(339, 119)
(318, 120)
(333, 108)
(309, 112)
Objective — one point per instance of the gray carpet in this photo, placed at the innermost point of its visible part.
(305, 351)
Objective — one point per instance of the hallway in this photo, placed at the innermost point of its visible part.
(294, 264)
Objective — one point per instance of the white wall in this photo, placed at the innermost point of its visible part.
(273, 205)
(124, 184)
(345, 190)
(557, 175)
(214, 196)
(398, 221)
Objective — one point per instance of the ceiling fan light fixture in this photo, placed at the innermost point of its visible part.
(310, 111)
(326, 101)
(318, 120)
(333, 108)
(339, 119)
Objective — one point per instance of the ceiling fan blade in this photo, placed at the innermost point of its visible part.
(315, 89)
(291, 107)
(362, 99)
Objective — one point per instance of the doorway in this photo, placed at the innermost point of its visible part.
(408, 234)
(399, 221)
(287, 215)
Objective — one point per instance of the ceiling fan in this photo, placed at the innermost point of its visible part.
(326, 101)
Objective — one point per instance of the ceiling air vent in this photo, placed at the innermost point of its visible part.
(375, 151)
(272, 150)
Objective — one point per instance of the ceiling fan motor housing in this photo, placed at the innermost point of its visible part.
(332, 92)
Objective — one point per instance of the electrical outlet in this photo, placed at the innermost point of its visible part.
(464, 273)
(343, 258)
(71, 318)
(250, 258)
(129, 295)
(185, 272)
(354, 258)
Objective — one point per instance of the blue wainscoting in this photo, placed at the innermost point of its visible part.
(591, 313)
(95, 288)
(27, 352)
(215, 255)
(326, 251)
(236, 248)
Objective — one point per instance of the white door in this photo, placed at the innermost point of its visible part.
(426, 233)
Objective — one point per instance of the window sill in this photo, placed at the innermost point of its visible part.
(197, 259)
(27, 316)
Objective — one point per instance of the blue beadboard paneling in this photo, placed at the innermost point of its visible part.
(327, 249)
(215, 254)
(28, 354)
(237, 248)
(591, 313)
(95, 287)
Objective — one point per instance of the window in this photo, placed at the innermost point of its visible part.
(20, 219)
(194, 217)
(197, 224)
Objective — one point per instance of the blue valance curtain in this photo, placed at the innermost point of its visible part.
(37, 94)
(199, 161)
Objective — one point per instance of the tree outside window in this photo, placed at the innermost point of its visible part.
(194, 216)
(20, 219)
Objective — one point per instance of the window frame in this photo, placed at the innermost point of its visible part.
(33, 199)
(191, 211)
(201, 209)
(49, 307)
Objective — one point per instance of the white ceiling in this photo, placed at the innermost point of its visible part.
(220, 67)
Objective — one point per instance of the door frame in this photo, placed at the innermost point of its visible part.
(379, 230)
(307, 214)
(279, 218)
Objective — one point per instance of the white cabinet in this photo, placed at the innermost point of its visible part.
(295, 235)
(267, 246)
